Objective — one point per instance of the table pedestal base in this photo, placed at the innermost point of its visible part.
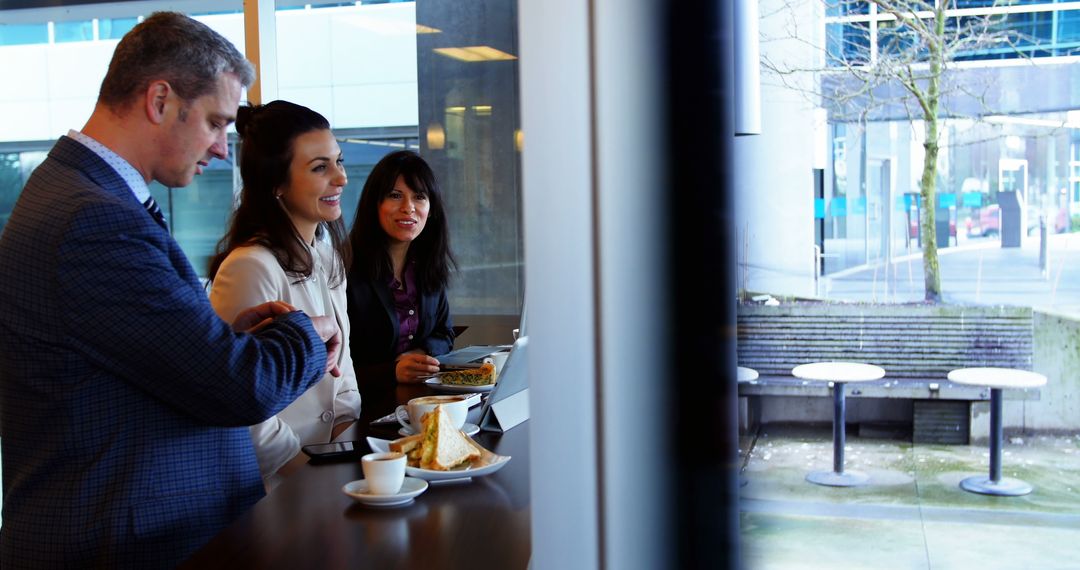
(834, 479)
(1006, 486)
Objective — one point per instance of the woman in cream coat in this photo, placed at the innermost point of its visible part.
(285, 243)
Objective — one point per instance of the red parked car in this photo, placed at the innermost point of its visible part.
(987, 224)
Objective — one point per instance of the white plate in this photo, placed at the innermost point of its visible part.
(410, 488)
(486, 465)
(437, 384)
(468, 428)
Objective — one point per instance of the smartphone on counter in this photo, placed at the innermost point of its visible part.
(336, 451)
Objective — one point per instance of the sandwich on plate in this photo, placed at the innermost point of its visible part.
(410, 446)
(439, 445)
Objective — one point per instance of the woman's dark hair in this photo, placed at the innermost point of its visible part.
(368, 241)
(267, 135)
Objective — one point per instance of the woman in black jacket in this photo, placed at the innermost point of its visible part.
(400, 268)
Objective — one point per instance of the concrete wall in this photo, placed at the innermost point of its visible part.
(785, 409)
(1055, 353)
(774, 185)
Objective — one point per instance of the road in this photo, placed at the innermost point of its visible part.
(976, 272)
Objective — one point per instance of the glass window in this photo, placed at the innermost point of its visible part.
(1013, 135)
(1020, 35)
(15, 167)
(991, 3)
(362, 151)
(82, 31)
(1074, 170)
(22, 34)
(1032, 28)
(848, 44)
(357, 64)
(470, 133)
(11, 184)
(1068, 32)
(115, 28)
(846, 7)
(839, 159)
(895, 39)
(198, 214)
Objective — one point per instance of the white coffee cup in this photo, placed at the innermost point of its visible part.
(411, 414)
(499, 360)
(384, 472)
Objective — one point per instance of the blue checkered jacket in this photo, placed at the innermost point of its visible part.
(124, 399)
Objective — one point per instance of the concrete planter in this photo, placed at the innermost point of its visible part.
(917, 344)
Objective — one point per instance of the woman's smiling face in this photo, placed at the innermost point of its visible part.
(403, 212)
(316, 179)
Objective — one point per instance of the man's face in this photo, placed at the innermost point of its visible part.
(194, 132)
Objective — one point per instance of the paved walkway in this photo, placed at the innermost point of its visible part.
(977, 272)
(912, 515)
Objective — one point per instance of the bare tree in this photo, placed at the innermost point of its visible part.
(893, 58)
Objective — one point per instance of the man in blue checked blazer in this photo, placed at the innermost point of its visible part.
(124, 399)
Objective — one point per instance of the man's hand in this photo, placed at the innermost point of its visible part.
(413, 367)
(255, 318)
(327, 329)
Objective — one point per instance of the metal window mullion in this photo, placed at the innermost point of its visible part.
(873, 23)
(961, 12)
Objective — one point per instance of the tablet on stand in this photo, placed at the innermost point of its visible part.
(508, 403)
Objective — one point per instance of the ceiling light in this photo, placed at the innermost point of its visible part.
(475, 53)
(436, 136)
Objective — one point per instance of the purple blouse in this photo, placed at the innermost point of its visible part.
(407, 307)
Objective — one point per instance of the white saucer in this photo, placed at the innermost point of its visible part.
(468, 428)
(488, 464)
(437, 384)
(410, 488)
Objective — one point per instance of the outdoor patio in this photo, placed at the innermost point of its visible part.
(912, 514)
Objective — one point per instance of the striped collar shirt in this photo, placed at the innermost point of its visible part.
(122, 167)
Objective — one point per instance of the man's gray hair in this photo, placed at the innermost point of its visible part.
(172, 47)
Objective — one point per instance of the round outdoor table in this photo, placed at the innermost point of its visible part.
(746, 374)
(839, 373)
(997, 379)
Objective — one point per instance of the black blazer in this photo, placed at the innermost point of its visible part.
(374, 336)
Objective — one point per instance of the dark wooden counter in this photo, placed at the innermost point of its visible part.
(308, 522)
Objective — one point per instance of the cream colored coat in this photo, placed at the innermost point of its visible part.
(250, 276)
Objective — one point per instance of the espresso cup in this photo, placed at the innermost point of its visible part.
(384, 472)
(411, 414)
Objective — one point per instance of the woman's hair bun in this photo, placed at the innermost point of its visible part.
(244, 117)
